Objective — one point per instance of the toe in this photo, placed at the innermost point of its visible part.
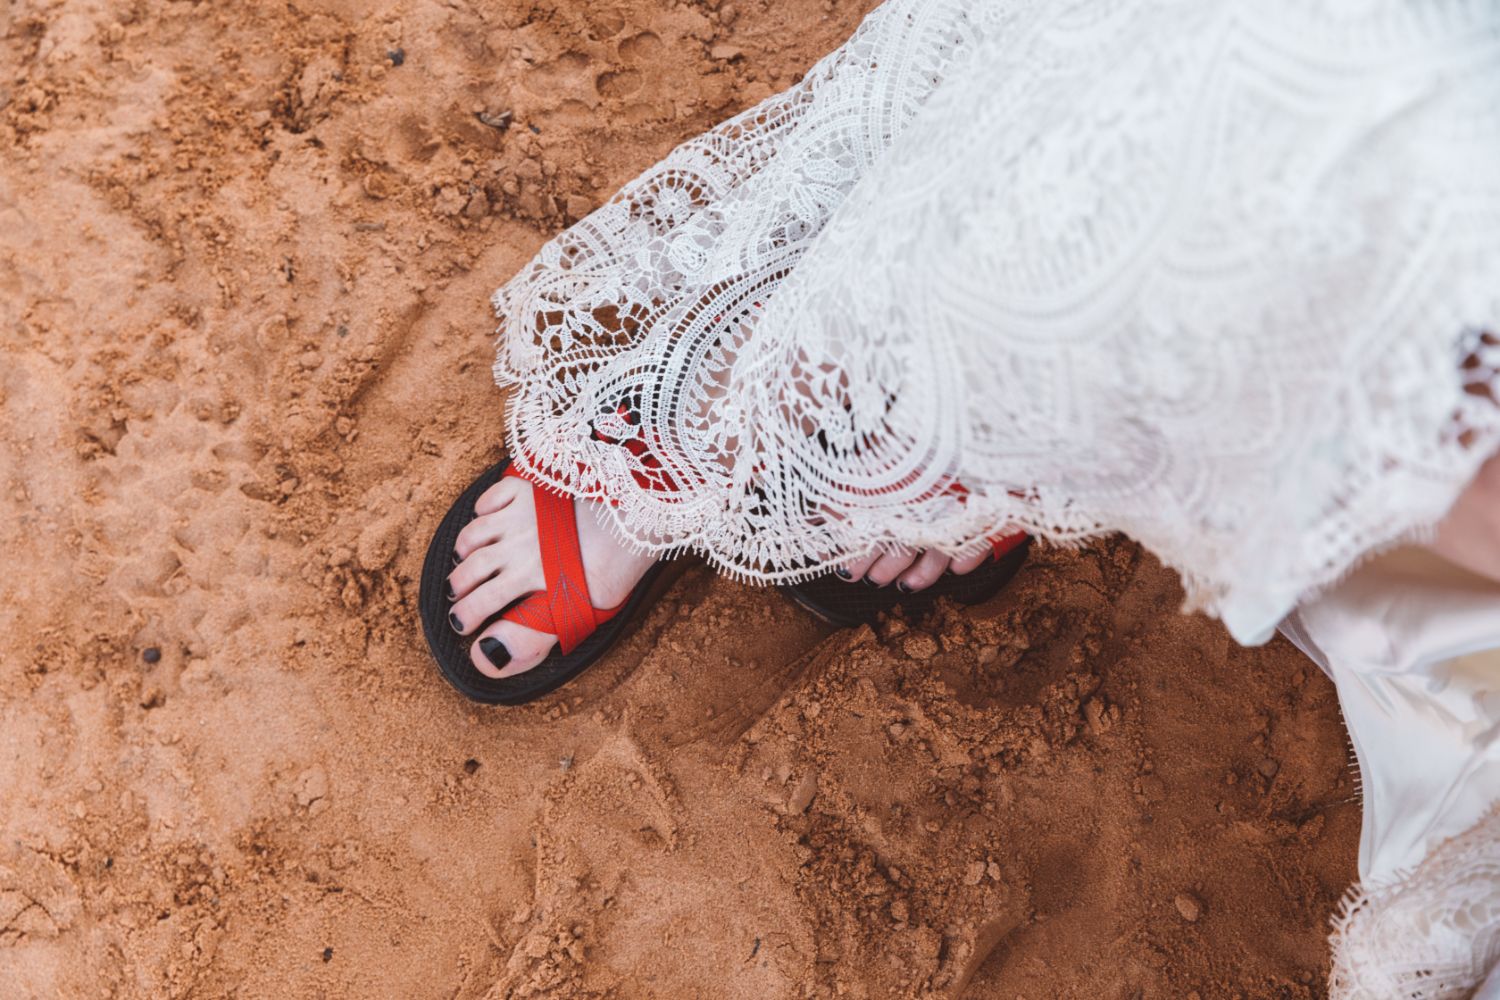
(498, 496)
(969, 563)
(484, 530)
(485, 601)
(506, 649)
(856, 570)
(925, 571)
(482, 565)
(888, 567)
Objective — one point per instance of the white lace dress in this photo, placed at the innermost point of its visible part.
(1207, 272)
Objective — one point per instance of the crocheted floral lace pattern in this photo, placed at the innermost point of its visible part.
(1207, 272)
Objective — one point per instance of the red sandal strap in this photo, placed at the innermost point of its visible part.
(1002, 544)
(565, 609)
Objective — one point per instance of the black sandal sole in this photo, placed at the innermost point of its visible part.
(451, 650)
(848, 604)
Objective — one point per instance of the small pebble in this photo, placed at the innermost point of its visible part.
(327, 954)
(1188, 905)
(397, 57)
(151, 654)
(803, 794)
(499, 120)
(579, 206)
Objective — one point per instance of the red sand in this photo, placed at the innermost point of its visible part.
(244, 264)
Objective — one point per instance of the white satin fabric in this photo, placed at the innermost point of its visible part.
(1413, 645)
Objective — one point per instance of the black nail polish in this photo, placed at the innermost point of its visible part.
(457, 625)
(869, 583)
(457, 558)
(843, 574)
(494, 650)
(452, 596)
(902, 587)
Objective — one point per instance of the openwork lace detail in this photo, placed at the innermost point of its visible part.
(1202, 271)
(1432, 935)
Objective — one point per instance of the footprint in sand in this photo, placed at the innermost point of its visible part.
(623, 893)
(37, 901)
(760, 644)
(610, 807)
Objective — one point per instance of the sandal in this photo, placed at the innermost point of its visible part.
(564, 609)
(846, 604)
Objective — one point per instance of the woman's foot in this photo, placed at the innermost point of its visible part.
(500, 561)
(909, 572)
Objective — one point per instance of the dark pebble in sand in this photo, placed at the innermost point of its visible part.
(396, 56)
(151, 654)
(327, 954)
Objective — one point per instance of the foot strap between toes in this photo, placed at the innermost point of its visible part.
(565, 608)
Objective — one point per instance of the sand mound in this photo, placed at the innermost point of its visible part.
(245, 252)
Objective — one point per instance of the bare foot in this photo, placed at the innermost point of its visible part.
(910, 571)
(500, 561)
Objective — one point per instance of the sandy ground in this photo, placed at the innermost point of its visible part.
(245, 252)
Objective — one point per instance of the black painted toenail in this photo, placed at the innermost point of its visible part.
(870, 583)
(457, 558)
(902, 587)
(452, 596)
(457, 625)
(843, 574)
(494, 650)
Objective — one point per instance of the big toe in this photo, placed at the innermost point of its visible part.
(506, 649)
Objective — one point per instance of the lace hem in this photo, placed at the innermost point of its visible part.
(1431, 935)
(959, 278)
